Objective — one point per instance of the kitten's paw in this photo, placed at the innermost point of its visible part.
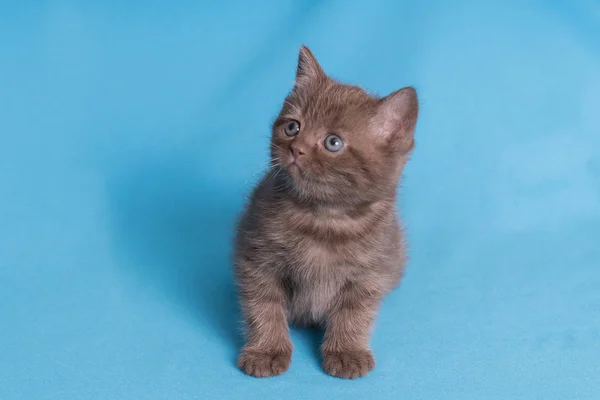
(263, 364)
(348, 364)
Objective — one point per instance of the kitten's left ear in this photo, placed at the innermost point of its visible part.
(396, 119)
(308, 67)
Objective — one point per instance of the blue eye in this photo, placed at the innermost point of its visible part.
(291, 128)
(334, 143)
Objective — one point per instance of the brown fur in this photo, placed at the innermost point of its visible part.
(319, 243)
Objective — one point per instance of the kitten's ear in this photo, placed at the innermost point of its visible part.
(308, 66)
(396, 119)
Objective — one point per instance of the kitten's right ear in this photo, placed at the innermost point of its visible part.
(308, 67)
(396, 119)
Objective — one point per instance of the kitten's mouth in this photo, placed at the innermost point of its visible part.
(294, 168)
(294, 163)
(297, 169)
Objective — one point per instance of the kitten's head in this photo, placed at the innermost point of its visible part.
(336, 143)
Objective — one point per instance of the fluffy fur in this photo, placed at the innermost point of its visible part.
(320, 243)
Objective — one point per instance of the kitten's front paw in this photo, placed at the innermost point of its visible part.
(263, 364)
(348, 364)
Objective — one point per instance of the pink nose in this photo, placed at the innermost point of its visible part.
(297, 151)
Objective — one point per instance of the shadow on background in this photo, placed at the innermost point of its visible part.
(174, 230)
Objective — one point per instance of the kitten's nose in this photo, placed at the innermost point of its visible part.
(297, 151)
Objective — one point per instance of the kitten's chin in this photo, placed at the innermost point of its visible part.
(294, 169)
(296, 175)
(303, 184)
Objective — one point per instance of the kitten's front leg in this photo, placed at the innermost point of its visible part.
(346, 352)
(268, 351)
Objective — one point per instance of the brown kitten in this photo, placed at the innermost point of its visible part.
(319, 243)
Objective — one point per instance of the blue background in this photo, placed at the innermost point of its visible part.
(131, 132)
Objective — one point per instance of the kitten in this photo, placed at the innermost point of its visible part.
(319, 243)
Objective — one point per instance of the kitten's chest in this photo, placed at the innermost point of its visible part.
(317, 275)
(311, 301)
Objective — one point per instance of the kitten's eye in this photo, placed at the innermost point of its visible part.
(291, 128)
(334, 143)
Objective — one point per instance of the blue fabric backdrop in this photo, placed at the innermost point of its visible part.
(130, 132)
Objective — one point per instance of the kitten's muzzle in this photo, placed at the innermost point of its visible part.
(296, 154)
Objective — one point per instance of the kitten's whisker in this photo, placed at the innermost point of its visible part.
(277, 147)
(265, 169)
